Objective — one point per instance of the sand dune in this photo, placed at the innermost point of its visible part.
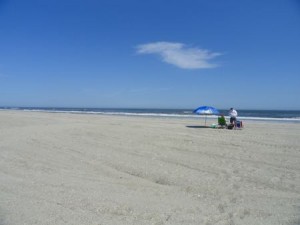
(91, 169)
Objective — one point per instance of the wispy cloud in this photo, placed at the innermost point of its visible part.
(180, 55)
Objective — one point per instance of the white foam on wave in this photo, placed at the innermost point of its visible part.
(269, 119)
(165, 115)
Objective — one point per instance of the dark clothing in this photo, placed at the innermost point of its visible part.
(232, 119)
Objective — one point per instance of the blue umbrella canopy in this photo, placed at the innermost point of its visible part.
(206, 110)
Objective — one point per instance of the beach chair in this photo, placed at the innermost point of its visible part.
(238, 124)
(222, 122)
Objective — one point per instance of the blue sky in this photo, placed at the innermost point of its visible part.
(150, 54)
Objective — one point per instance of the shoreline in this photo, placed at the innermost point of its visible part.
(171, 116)
(59, 168)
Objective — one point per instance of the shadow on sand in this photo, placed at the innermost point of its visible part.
(197, 127)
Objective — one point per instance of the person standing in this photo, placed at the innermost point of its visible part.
(233, 114)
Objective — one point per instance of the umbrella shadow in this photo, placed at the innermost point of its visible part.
(197, 127)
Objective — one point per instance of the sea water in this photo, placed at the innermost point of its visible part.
(257, 115)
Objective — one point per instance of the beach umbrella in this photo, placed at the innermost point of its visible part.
(206, 110)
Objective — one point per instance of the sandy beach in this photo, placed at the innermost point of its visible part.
(58, 168)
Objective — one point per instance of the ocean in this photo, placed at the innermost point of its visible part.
(257, 115)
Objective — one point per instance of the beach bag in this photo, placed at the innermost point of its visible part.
(230, 126)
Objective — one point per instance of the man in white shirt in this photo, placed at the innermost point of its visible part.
(233, 114)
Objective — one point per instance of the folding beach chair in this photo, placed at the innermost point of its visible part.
(238, 124)
(222, 122)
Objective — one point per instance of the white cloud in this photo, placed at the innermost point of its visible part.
(180, 55)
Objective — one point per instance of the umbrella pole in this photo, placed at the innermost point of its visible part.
(205, 120)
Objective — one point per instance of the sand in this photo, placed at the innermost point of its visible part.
(60, 168)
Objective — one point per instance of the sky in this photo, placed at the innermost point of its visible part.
(150, 54)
